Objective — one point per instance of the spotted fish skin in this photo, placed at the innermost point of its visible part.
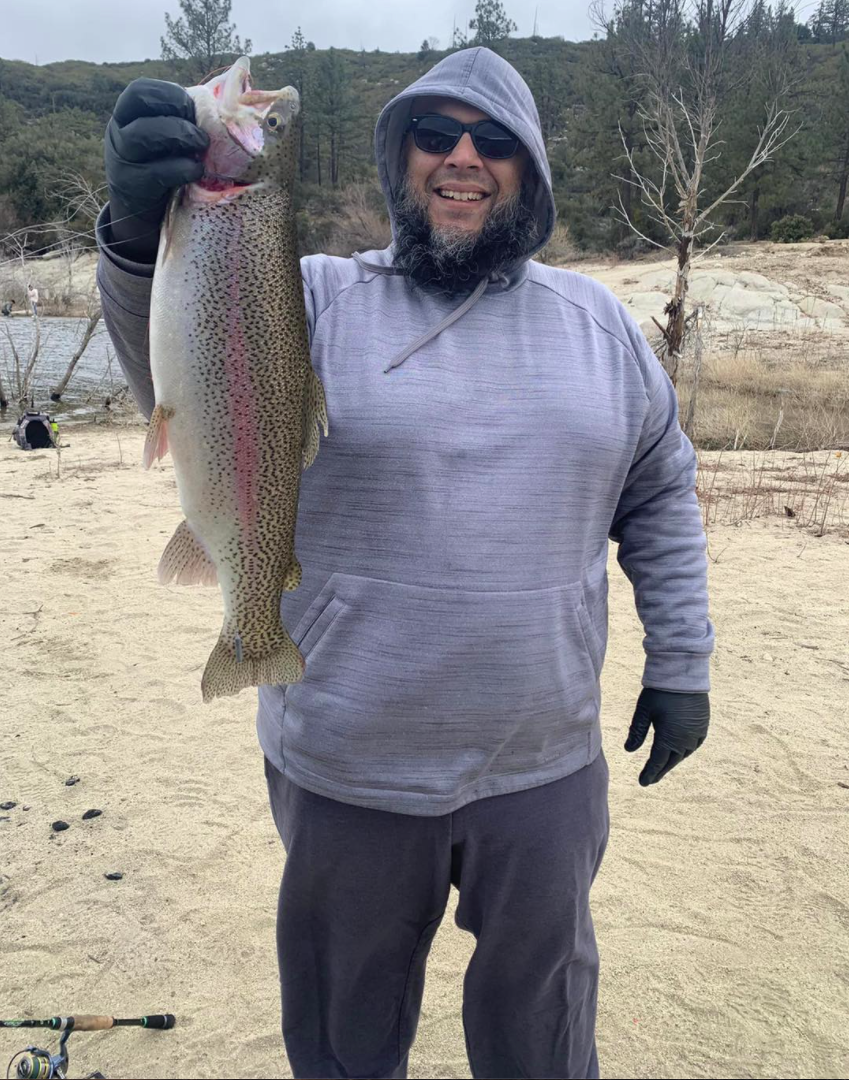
(237, 401)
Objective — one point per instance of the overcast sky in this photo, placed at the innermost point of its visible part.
(42, 31)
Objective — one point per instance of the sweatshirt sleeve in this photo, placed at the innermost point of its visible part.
(662, 545)
(125, 294)
(125, 288)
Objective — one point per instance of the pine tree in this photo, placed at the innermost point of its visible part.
(830, 22)
(491, 24)
(335, 109)
(837, 125)
(203, 36)
(297, 57)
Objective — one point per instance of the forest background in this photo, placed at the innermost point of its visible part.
(591, 97)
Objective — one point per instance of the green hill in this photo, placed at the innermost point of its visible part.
(52, 119)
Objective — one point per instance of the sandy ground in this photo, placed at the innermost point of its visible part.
(722, 907)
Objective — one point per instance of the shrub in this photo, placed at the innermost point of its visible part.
(791, 229)
(838, 230)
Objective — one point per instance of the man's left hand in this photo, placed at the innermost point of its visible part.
(680, 727)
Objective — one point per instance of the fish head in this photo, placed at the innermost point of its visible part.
(252, 133)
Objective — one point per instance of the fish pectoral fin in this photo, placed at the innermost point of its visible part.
(167, 233)
(156, 443)
(315, 416)
(292, 577)
(185, 561)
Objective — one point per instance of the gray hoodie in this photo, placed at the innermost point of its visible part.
(453, 530)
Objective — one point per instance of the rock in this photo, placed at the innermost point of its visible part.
(839, 290)
(60, 826)
(822, 309)
(71, 781)
(8, 805)
(116, 875)
(89, 814)
(749, 280)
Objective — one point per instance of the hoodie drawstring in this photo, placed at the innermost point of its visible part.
(429, 335)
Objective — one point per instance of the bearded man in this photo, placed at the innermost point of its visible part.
(495, 422)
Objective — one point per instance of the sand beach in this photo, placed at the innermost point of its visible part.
(722, 907)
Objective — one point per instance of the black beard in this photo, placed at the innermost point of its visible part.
(453, 261)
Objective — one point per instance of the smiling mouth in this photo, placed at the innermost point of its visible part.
(461, 196)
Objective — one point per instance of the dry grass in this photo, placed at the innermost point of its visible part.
(362, 223)
(812, 488)
(759, 399)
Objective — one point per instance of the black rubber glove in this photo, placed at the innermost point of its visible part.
(680, 727)
(152, 146)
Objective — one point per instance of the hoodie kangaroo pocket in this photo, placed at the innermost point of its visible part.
(316, 622)
(397, 674)
(591, 639)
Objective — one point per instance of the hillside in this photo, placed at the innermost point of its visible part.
(52, 120)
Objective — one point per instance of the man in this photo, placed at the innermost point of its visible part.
(493, 422)
(32, 296)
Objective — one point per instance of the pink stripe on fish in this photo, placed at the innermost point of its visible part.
(243, 410)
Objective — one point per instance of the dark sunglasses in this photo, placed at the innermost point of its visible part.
(436, 134)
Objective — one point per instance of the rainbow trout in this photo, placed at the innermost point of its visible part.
(237, 401)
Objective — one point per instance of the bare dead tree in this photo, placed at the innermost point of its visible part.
(21, 377)
(685, 64)
(696, 320)
(79, 196)
(92, 320)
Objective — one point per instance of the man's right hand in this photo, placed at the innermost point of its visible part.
(152, 146)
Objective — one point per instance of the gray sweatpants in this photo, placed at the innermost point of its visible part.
(364, 891)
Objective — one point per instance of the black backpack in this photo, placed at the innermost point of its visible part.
(35, 431)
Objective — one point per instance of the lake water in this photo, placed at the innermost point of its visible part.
(91, 383)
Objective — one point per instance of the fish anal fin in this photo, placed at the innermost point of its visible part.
(185, 561)
(156, 443)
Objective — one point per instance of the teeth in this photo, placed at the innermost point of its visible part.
(463, 196)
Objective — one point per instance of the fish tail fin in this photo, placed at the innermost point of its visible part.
(225, 674)
(315, 416)
(156, 443)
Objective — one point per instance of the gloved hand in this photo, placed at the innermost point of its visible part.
(680, 727)
(152, 146)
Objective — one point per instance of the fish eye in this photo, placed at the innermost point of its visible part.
(273, 121)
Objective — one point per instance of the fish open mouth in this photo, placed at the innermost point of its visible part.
(236, 118)
(222, 184)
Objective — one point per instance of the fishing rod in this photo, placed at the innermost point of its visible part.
(37, 1064)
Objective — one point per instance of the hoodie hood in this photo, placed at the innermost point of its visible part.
(483, 79)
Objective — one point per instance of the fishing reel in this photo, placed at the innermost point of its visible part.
(33, 1063)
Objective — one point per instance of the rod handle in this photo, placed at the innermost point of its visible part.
(160, 1020)
(91, 1023)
